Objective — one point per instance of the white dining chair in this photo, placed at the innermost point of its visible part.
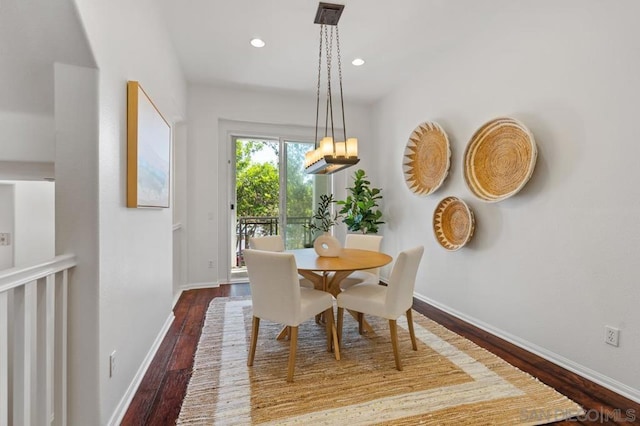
(268, 243)
(389, 301)
(366, 276)
(276, 296)
(275, 243)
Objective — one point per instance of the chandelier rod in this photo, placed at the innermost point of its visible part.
(329, 47)
(344, 123)
(318, 93)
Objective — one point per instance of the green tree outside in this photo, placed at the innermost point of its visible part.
(258, 186)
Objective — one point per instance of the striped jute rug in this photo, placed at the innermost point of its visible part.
(448, 381)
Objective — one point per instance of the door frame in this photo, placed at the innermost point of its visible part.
(229, 130)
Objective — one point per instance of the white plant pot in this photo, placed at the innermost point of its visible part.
(326, 245)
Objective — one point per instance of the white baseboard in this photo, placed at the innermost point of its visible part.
(176, 297)
(123, 405)
(587, 373)
(194, 286)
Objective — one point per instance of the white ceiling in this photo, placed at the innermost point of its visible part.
(33, 35)
(397, 39)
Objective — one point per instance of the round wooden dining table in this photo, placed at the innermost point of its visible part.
(317, 269)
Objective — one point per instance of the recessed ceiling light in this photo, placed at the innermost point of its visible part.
(358, 62)
(256, 42)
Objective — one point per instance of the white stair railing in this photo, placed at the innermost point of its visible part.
(33, 343)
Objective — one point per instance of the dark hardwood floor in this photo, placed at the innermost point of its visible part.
(159, 397)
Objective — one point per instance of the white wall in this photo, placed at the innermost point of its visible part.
(34, 222)
(6, 224)
(180, 188)
(28, 213)
(26, 170)
(27, 137)
(135, 245)
(209, 153)
(33, 35)
(551, 266)
(76, 117)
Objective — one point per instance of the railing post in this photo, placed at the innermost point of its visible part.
(25, 360)
(49, 347)
(4, 359)
(63, 305)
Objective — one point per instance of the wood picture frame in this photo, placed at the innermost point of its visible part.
(148, 151)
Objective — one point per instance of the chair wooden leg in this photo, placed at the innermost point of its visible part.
(332, 334)
(293, 346)
(328, 327)
(340, 319)
(360, 323)
(412, 333)
(394, 343)
(366, 327)
(254, 340)
(284, 333)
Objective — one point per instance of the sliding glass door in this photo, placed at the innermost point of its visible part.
(272, 193)
(300, 195)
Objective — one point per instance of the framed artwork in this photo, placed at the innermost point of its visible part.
(148, 151)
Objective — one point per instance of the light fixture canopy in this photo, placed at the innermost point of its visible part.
(329, 155)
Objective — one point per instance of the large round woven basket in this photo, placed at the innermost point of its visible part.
(499, 159)
(453, 223)
(426, 159)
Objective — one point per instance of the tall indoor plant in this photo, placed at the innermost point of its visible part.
(359, 211)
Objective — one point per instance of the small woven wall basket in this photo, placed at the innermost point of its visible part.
(499, 159)
(426, 159)
(453, 223)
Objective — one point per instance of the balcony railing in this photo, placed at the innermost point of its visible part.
(33, 343)
(297, 233)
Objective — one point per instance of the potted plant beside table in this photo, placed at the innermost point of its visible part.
(325, 244)
(359, 211)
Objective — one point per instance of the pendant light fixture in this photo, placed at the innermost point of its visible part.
(330, 155)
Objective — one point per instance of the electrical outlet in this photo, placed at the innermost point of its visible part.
(112, 364)
(611, 335)
(211, 264)
(5, 239)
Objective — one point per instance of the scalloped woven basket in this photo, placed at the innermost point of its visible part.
(499, 159)
(453, 223)
(426, 159)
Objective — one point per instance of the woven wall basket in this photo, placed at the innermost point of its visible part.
(426, 159)
(499, 159)
(453, 223)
